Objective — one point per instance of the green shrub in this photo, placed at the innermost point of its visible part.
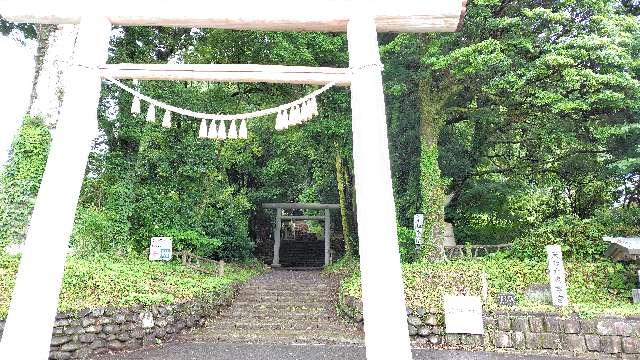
(406, 242)
(579, 239)
(621, 221)
(99, 231)
(20, 180)
(106, 281)
(195, 242)
(593, 287)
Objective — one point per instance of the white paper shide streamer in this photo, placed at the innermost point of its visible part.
(214, 126)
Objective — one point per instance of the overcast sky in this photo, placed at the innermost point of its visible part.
(16, 74)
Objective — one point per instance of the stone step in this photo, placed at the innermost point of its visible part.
(288, 287)
(289, 337)
(286, 298)
(227, 324)
(282, 307)
(283, 296)
(268, 315)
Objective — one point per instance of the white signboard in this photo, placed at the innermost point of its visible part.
(463, 315)
(161, 249)
(418, 227)
(557, 276)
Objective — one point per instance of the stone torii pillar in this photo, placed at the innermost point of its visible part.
(33, 306)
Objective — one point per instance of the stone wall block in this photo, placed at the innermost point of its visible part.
(70, 346)
(414, 320)
(551, 341)
(87, 321)
(424, 331)
(519, 340)
(111, 329)
(520, 323)
(536, 324)
(98, 344)
(149, 340)
(59, 340)
(606, 327)
(93, 329)
(413, 331)
(533, 340)
(551, 324)
(571, 326)
(631, 345)
(133, 344)
(71, 330)
(576, 343)
(61, 322)
(120, 318)
(623, 328)
(59, 355)
(115, 345)
(137, 333)
(87, 338)
(610, 344)
(588, 326)
(452, 339)
(503, 340)
(504, 323)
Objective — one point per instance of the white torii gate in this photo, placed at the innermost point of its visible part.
(32, 312)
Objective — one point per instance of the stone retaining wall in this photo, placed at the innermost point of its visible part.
(597, 338)
(94, 331)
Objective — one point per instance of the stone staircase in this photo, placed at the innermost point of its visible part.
(302, 253)
(284, 307)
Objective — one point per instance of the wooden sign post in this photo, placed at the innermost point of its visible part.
(32, 312)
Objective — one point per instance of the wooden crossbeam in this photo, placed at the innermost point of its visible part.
(312, 206)
(302, 217)
(272, 15)
(229, 73)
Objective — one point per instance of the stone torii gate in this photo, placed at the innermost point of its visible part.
(32, 312)
(280, 218)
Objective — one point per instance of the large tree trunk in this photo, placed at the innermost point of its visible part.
(54, 56)
(340, 179)
(431, 186)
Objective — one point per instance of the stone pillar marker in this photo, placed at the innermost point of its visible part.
(327, 237)
(276, 238)
(557, 276)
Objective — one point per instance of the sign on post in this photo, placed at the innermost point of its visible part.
(463, 315)
(557, 276)
(506, 299)
(161, 249)
(418, 227)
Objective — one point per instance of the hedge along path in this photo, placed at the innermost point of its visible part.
(35, 298)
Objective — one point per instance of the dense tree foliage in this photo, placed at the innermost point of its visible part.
(539, 103)
(528, 119)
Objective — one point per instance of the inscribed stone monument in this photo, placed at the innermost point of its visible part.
(463, 315)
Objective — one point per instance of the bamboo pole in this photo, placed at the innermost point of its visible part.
(273, 15)
(229, 73)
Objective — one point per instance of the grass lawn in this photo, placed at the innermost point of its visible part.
(595, 288)
(108, 281)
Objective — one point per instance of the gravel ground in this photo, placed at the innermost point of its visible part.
(232, 351)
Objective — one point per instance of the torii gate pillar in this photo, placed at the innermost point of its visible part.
(385, 326)
(32, 312)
